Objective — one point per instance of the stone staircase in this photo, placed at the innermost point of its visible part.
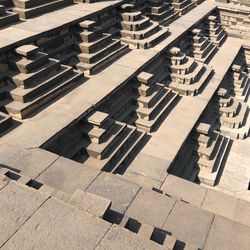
(187, 75)
(232, 115)
(39, 79)
(183, 6)
(5, 121)
(217, 34)
(161, 11)
(139, 31)
(202, 48)
(7, 17)
(110, 144)
(29, 8)
(211, 149)
(97, 49)
(239, 83)
(153, 102)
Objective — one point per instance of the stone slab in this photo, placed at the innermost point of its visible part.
(189, 224)
(150, 207)
(17, 203)
(31, 162)
(242, 212)
(226, 234)
(219, 203)
(57, 225)
(121, 239)
(67, 175)
(90, 203)
(117, 189)
(183, 189)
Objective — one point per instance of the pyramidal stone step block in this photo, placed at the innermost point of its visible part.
(183, 6)
(217, 34)
(138, 31)
(187, 75)
(38, 79)
(30, 8)
(153, 101)
(97, 49)
(211, 148)
(7, 17)
(202, 48)
(233, 118)
(161, 11)
(111, 143)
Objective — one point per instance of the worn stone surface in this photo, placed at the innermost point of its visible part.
(189, 224)
(227, 234)
(91, 203)
(183, 189)
(47, 229)
(117, 189)
(119, 238)
(67, 175)
(17, 204)
(150, 207)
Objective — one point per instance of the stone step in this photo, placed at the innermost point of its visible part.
(153, 39)
(108, 56)
(162, 108)
(141, 34)
(8, 18)
(22, 110)
(5, 121)
(98, 44)
(27, 95)
(210, 178)
(238, 120)
(98, 151)
(136, 25)
(35, 10)
(28, 80)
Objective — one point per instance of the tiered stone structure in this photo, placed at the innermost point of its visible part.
(182, 6)
(211, 149)
(30, 8)
(139, 31)
(233, 115)
(202, 48)
(111, 143)
(153, 102)
(161, 11)
(7, 17)
(239, 83)
(98, 49)
(103, 156)
(38, 79)
(217, 34)
(187, 75)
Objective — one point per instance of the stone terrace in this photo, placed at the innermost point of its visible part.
(122, 124)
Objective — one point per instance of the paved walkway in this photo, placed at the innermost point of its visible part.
(156, 157)
(37, 130)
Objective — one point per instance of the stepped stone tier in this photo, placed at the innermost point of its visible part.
(124, 124)
(153, 102)
(97, 48)
(38, 79)
(30, 8)
(211, 149)
(187, 75)
(7, 17)
(161, 11)
(217, 34)
(139, 31)
(203, 48)
(233, 115)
